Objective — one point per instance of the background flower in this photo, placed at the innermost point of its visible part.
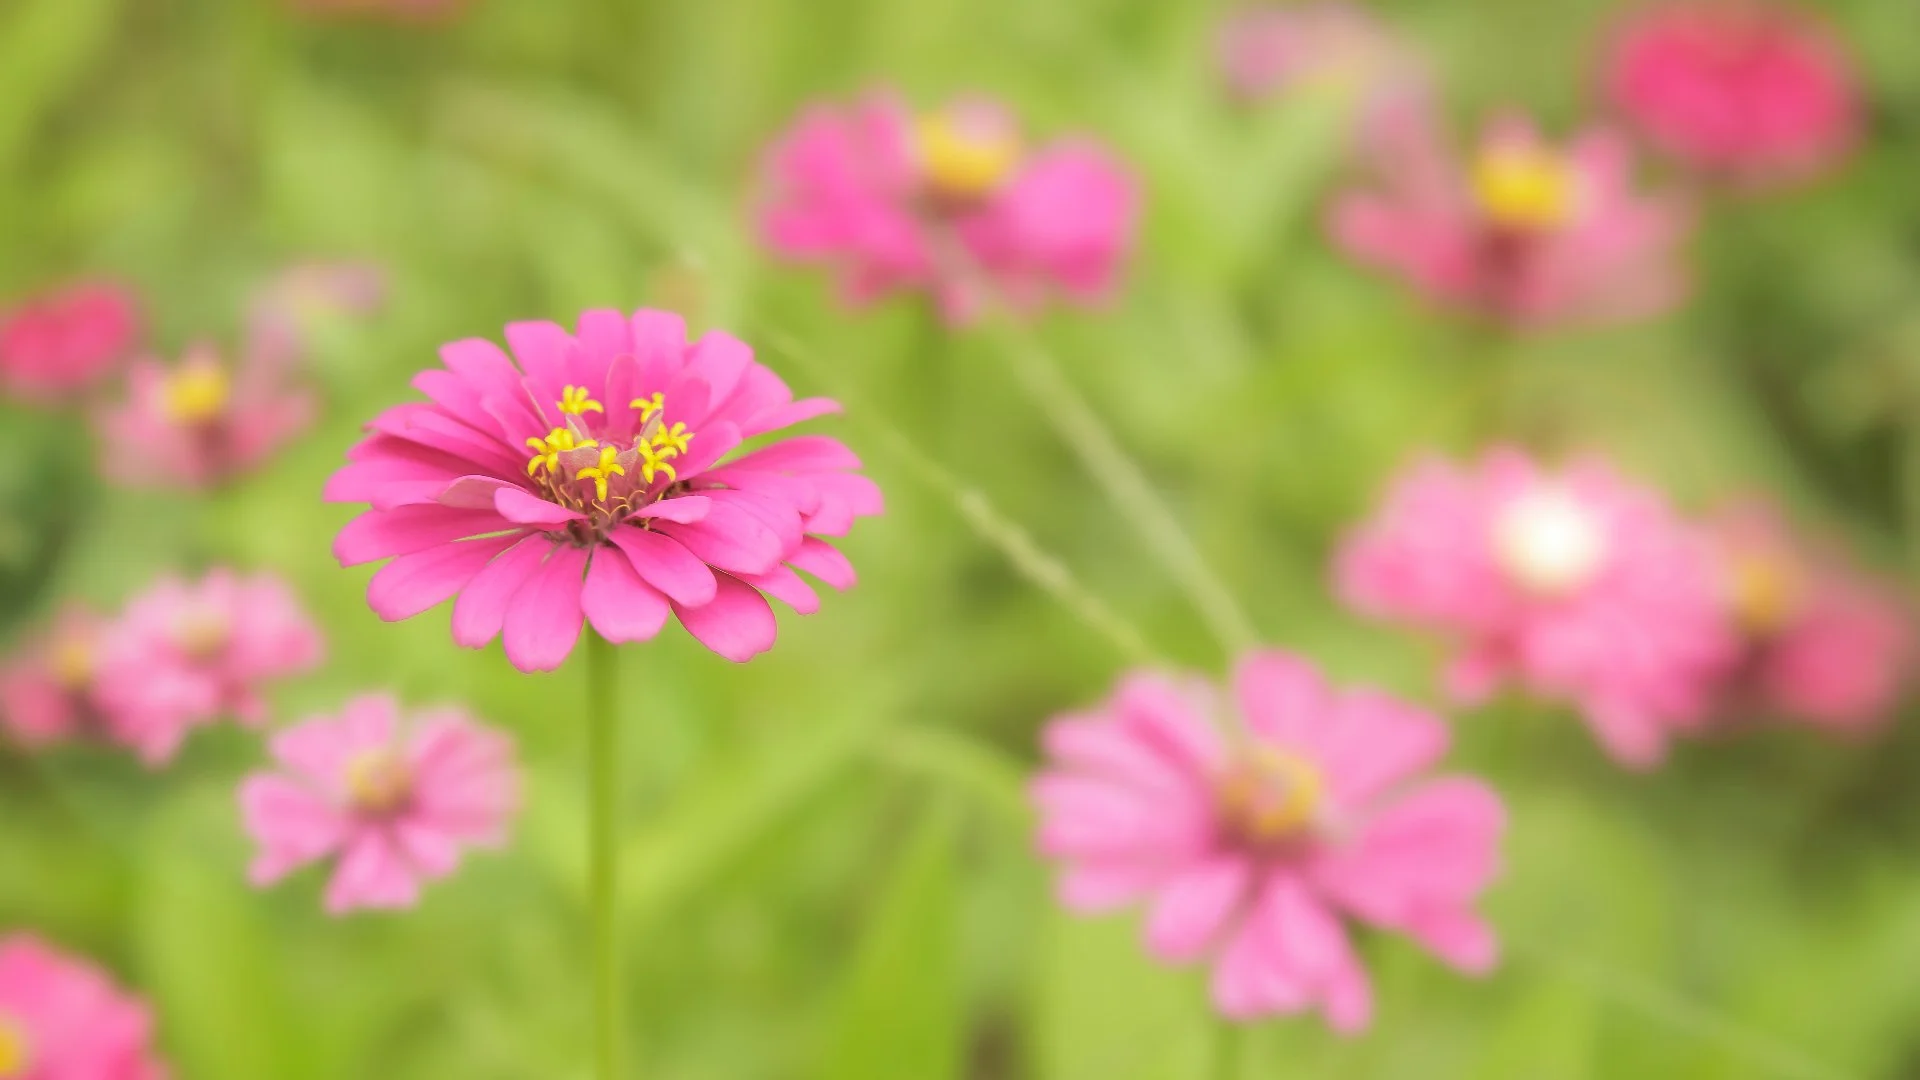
(62, 1018)
(68, 339)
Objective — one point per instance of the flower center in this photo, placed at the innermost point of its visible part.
(1764, 590)
(1270, 796)
(378, 781)
(1548, 543)
(1525, 189)
(200, 631)
(14, 1057)
(965, 155)
(598, 477)
(72, 661)
(195, 393)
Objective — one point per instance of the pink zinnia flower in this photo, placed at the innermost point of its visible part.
(1824, 642)
(184, 654)
(1575, 583)
(62, 1018)
(1744, 91)
(47, 688)
(54, 345)
(953, 203)
(598, 479)
(200, 422)
(1524, 233)
(1251, 825)
(1322, 45)
(398, 798)
(282, 315)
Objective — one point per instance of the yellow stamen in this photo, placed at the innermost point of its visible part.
(1764, 589)
(15, 1056)
(675, 438)
(574, 401)
(72, 663)
(599, 473)
(201, 631)
(1270, 795)
(195, 393)
(962, 161)
(547, 451)
(649, 405)
(1525, 188)
(378, 781)
(653, 459)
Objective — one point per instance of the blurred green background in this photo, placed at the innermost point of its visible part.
(829, 857)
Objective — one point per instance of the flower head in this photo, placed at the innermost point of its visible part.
(538, 511)
(1251, 824)
(62, 1018)
(954, 203)
(1574, 583)
(1521, 231)
(1822, 642)
(284, 313)
(199, 422)
(1738, 89)
(47, 688)
(397, 797)
(184, 654)
(65, 341)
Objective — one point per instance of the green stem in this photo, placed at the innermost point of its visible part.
(1228, 1045)
(603, 753)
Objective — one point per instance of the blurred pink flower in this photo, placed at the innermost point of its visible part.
(1320, 45)
(200, 422)
(953, 203)
(64, 341)
(283, 313)
(47, 687)
(1824, 643)
(1744, 91)
(1523, 233)
(185, 654)
(62, 1018)
(587, 482)
(1575, 583)
(398, 798)
(1251, 825)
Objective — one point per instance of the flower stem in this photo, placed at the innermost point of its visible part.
(1227, 1047)
(603, 753)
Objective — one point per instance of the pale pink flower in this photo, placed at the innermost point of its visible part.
(1521, 232)
(1325, 46)
(57, 344)
(954, 204)
(283, 313)
(599, 478)
(1572, 582)
(399, 798)
(185, 654)
(1743, 91)
(1250, 824)
(62, 1018)
(200, 422)
(1824, 642)
(47, 687)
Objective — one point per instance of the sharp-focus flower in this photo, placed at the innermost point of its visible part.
(201, 421)
(1744, 91)
(1251, 825)
(1325, 46)
(955, 204)
(600, 478)
(184, 654)
(1574, 583)
(283, 314)
(397, 797)
(55, 345)
(1823, 642)
(62, 1018)
(47, 688)
(1522, 232)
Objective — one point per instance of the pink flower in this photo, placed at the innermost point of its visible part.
(1251, 825)
(185, 654)
(1575, 583)
(62, 1018)
(1524, 233)
(283, 313)
(65, 341)
(47, 688)
(200, 422)
(398, 798)
(954, 204)
(1263, 52)
(1743, 91)
(598, 479)
(1823, 642)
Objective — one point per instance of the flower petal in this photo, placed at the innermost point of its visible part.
(518, 506)
(621, 606)
(543, 618)
(413, 583)
(737, 623)
(482, 607)
(667, 565)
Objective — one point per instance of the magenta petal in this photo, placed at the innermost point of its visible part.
(541, 347)
(812, 453)
(714, 442)
(380, 534)
(784, 585)
(543, 618)
(472, 492)
(737, 623)
(603, 335)
(666, 565)
(482, 607)
(621, 606)
(660, 345)
(413, 583)
(516, 505)
(824, 561)
(730, 538)
(790, 414)
(685, 509)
